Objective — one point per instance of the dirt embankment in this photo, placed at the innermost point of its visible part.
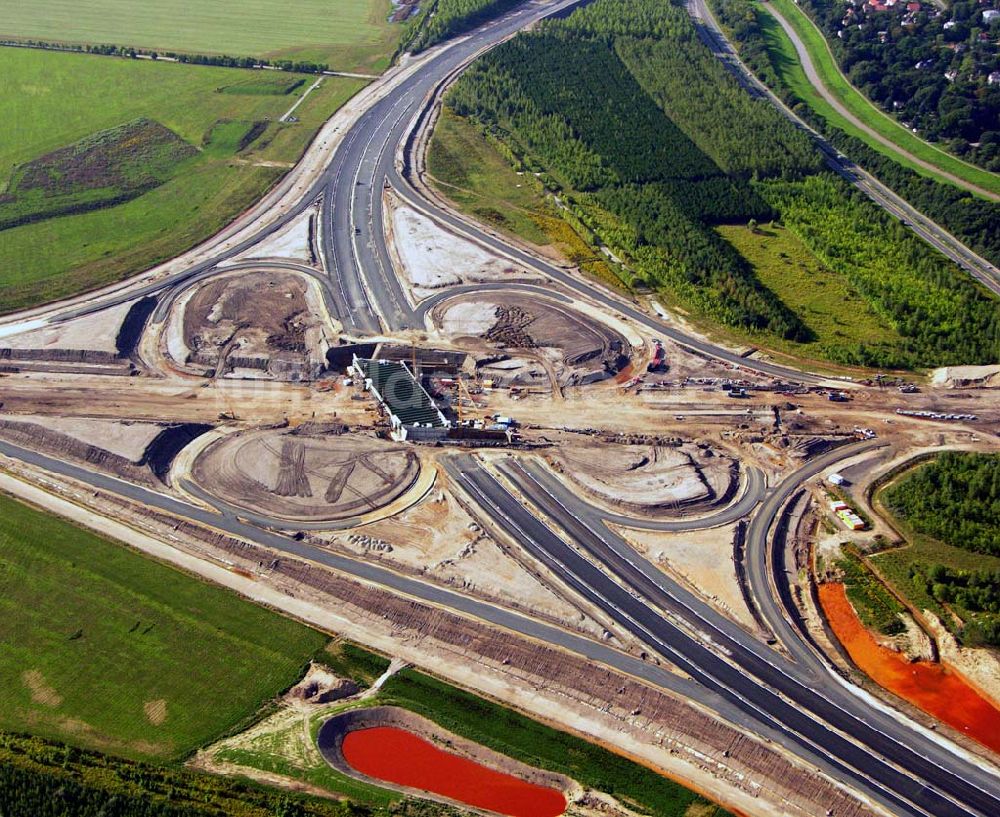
(332, 733)
(130, 332)
(149, 469)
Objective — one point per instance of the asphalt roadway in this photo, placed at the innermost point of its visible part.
(738, 676)
(817, 716)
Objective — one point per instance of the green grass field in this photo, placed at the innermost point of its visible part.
(56, 99)
(349, 35)
(106, 649)
(822, 298)
(785, 61)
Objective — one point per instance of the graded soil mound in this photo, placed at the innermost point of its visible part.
(305, 476)
(138, 451)
(647, 477)
(416, 755)
(540, 336)
(263, 325)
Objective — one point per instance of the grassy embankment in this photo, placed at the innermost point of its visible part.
(825, 300)
(108, 650)
(786, 63)
(470, 171)
(283, 751)
(349, 35)
(56, 99)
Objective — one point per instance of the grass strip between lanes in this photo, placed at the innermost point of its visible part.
(783, 52)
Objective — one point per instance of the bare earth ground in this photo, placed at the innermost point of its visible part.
(311, 477)
(431, 259)
(702, 559)
(97, 332)
(126, 438)
(438, 539)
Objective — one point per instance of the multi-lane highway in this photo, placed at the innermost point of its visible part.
(795, 701)
(815, 714)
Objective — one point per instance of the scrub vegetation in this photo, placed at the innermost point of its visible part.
(109, 650)
(149, 159)
(877, 608)
(948, 511)
(349, 35)
(831, 308)
(651, 144)
(107, 168)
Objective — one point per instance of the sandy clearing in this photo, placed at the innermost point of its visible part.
(41, 692)
(433, 258)
(292, 241)
(97, 332)
(703, 559)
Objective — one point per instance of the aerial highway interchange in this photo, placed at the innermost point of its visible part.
(767, 678)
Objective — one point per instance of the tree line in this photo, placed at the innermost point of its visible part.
(440, 19)
(975, 594)
(218, 60)
(944, 317)
(955, 499)
(40, 778)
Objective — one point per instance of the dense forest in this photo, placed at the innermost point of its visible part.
(932, 69)
(974, 221)
(955, 499)
(440, 19)
(651, 143)
(42, 779)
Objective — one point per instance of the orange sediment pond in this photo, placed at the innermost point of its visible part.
(397, 756)
(931, 687)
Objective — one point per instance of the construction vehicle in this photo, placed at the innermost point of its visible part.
(659, 361)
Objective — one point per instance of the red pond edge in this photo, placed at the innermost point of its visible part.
(397, 756)
(935, 688)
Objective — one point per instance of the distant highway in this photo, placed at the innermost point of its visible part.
(817, 82)
(930, 231)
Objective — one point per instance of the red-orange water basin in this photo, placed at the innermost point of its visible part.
(397, 756)
(934, 688)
